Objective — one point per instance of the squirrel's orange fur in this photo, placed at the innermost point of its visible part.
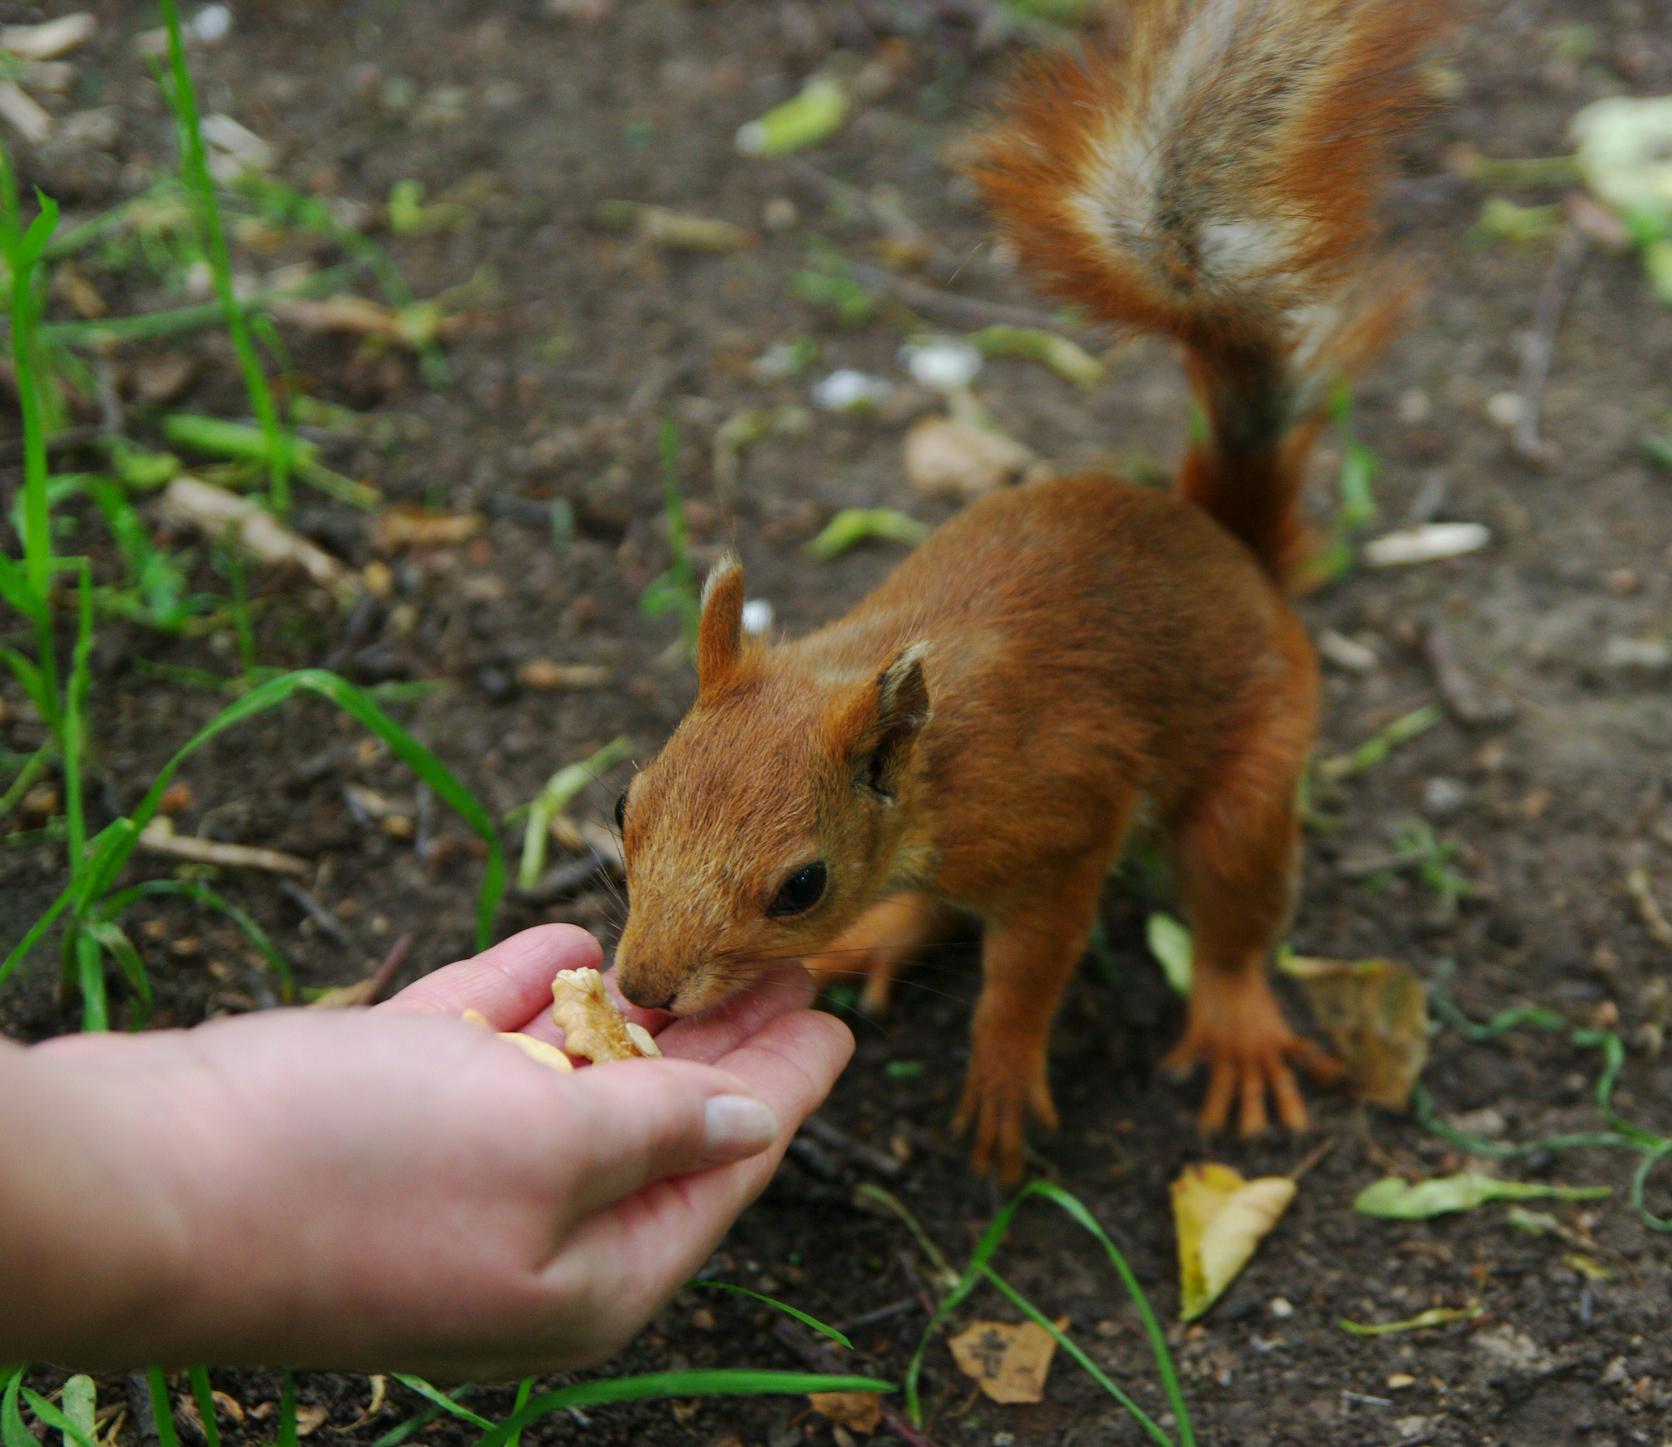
(1063, 657)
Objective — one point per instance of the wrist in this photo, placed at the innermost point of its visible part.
(94, 1240)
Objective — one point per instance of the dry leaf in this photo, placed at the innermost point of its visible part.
(591, 1023)
(423, 527)
(946, 458)
(1375, 1012)
(545, 673)
(1221, 1218)
(49, 39)
(380, 1393)
(310, 1417)
(1009, 1361)
(857, 1411)
(222, 514)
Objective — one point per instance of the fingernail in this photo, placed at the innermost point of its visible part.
(735, 1126)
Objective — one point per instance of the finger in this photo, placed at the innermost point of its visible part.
(509, 984)
(634, 1122)
(657, 1238)
(716, 1033)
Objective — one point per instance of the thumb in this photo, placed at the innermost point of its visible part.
(638, 1121)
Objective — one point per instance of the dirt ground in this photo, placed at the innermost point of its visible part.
(581, 339)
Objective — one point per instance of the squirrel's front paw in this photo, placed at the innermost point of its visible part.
(1237, 1030)
(996, 1103)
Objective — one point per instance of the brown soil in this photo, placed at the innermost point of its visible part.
(584, 339)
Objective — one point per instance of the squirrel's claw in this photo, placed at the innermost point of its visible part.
(997, 1103)
(1248, 1051)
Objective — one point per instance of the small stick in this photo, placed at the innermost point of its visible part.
(1648, 907)
(950, 307)
(1559, 282)
(211, 851)
(1460, 694)
(903, 1307)
(838, 1140)
(326, 922)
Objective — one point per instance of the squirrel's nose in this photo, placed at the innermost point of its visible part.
(648, 994)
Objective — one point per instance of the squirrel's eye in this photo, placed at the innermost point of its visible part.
(621, 813)
(801, 891)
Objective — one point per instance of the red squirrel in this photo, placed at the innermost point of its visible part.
(1065, 658)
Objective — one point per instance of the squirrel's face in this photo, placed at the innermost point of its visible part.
(770, 820)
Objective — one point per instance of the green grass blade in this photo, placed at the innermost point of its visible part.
(286, 1429)
(24, 252)
(402, 1431)
(194, 171)
(115, 943)
(13, 1432)
(822, 1328)
(525, 1389)
(203, 1394)
(657, 1386)
(161, 1407)
(73, 721)
(88, 962)
(113, 845)
(442, 1400)
(113, 906)
(58, 1421)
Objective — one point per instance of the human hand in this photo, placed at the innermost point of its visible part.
(393, 1188)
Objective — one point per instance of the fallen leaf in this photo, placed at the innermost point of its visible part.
(1400, 1200)
(1434, 1316)
(222, 514)
(1169, 942)
(310, 1417)
(545, 674)
(857, 1411)
(1426, 544)
(380, 1393)
(806, 118)
(1375, 1012)
(423, 527)
(1221, 1218)
(675, 230)
(50, 39)
(1009, 1361)
(947, 458)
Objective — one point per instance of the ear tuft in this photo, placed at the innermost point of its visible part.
(901, 709)
(720, 628)
(902, 693)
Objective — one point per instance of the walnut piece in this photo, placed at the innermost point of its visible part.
(532, 1048)
(592, 1025)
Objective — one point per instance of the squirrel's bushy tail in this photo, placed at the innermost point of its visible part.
(1215, 178)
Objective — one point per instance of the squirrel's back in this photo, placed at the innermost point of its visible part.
(1215, 178)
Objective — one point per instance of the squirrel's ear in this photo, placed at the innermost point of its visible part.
(899, 708)
(720, 628)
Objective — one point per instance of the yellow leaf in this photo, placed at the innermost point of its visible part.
(1220, 1219)
(1009, 1361)
(1376, 1014)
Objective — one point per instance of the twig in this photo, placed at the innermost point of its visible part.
(1648, 907)
(1461, 695)
(211, 851)
(821, 1359)
(326, 922)
(951, 308)
(1540, 346)
(867, 1156)
(903, 1307)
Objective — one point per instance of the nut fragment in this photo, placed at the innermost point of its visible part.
(534, 1049)
(592, 1025)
